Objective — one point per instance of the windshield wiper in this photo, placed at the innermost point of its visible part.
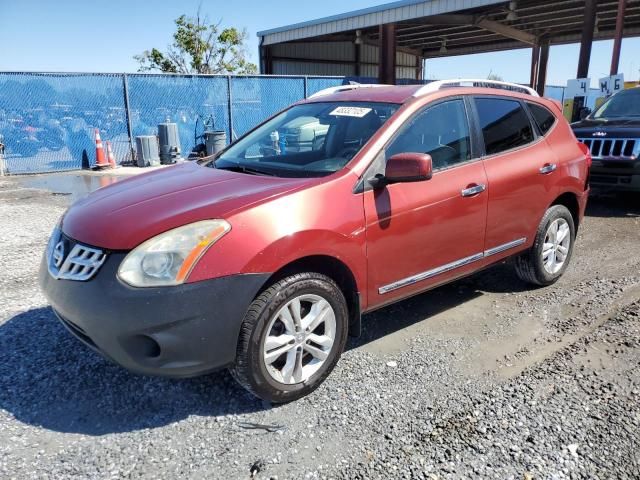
(247, 170)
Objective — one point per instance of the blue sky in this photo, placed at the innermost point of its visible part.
(83, 35)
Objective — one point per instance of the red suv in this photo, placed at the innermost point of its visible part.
(264, 259)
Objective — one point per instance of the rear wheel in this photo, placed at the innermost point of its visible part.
(545, 262)
(291, 338)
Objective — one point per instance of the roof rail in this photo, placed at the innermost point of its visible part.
(472, 82)
(345, 88)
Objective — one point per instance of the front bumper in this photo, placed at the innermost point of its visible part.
(615, 175)
(178, 331)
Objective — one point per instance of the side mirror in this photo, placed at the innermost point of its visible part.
(408, 167)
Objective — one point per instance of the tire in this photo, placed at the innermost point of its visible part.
(532, 266)
(272, 316)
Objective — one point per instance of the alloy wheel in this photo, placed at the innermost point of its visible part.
(299, 339)
(556, 246)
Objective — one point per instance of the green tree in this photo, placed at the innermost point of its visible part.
(200, 47)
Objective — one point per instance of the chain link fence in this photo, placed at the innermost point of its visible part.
(48, 120)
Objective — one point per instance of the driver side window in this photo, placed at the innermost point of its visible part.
(441, 130)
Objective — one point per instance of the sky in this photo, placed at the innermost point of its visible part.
(89, 36)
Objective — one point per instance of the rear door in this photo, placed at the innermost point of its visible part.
(425, 233)
(518, 163)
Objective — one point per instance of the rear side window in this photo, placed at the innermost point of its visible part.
(543, 117)
(505, 125)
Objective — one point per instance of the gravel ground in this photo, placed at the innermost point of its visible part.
(483, 378)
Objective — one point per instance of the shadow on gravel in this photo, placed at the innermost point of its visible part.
(613, 204)
(497, 279)
(49, 379)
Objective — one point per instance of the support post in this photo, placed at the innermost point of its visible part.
(586, 41)
(387, 69)
(266, 58)
(542, 67)
(535, 62)
(357, 59)
(127, 114)
(617, 40)
(230, 108)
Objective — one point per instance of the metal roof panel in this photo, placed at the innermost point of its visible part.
(387, 13)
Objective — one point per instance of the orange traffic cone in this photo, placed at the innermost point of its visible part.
(101, 161)
(111, 156)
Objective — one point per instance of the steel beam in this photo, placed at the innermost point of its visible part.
(387, 68)
(266, 60)
(629, 31)
(586, 41)
(542, 67)
(484, 23)
(617, 41)
(506, 31)
(535, 62)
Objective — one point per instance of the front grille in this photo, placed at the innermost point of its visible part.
(616, 148)
(80, 264)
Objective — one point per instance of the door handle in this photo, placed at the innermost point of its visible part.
(548, 168)
(473, 190)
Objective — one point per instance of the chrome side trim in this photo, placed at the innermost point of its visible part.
(430, 273)
(506, 246)
(405, 282)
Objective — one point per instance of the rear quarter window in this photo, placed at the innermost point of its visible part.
(543, 117)
(505, 124)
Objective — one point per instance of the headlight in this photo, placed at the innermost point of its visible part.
(168, 258)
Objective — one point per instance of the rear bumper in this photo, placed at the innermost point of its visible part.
(180, 331)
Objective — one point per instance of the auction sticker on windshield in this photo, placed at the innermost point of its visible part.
(358, 112)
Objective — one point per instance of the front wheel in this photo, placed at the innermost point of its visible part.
(545, 262)
(291, 338)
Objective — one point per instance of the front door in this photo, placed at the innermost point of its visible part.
(425, 233)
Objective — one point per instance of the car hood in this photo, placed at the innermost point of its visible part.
(618, 127)
(125, 214)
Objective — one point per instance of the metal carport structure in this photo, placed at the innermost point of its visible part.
(394, 39)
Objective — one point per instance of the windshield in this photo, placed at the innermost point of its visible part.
(308, 140)
(623, 104)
